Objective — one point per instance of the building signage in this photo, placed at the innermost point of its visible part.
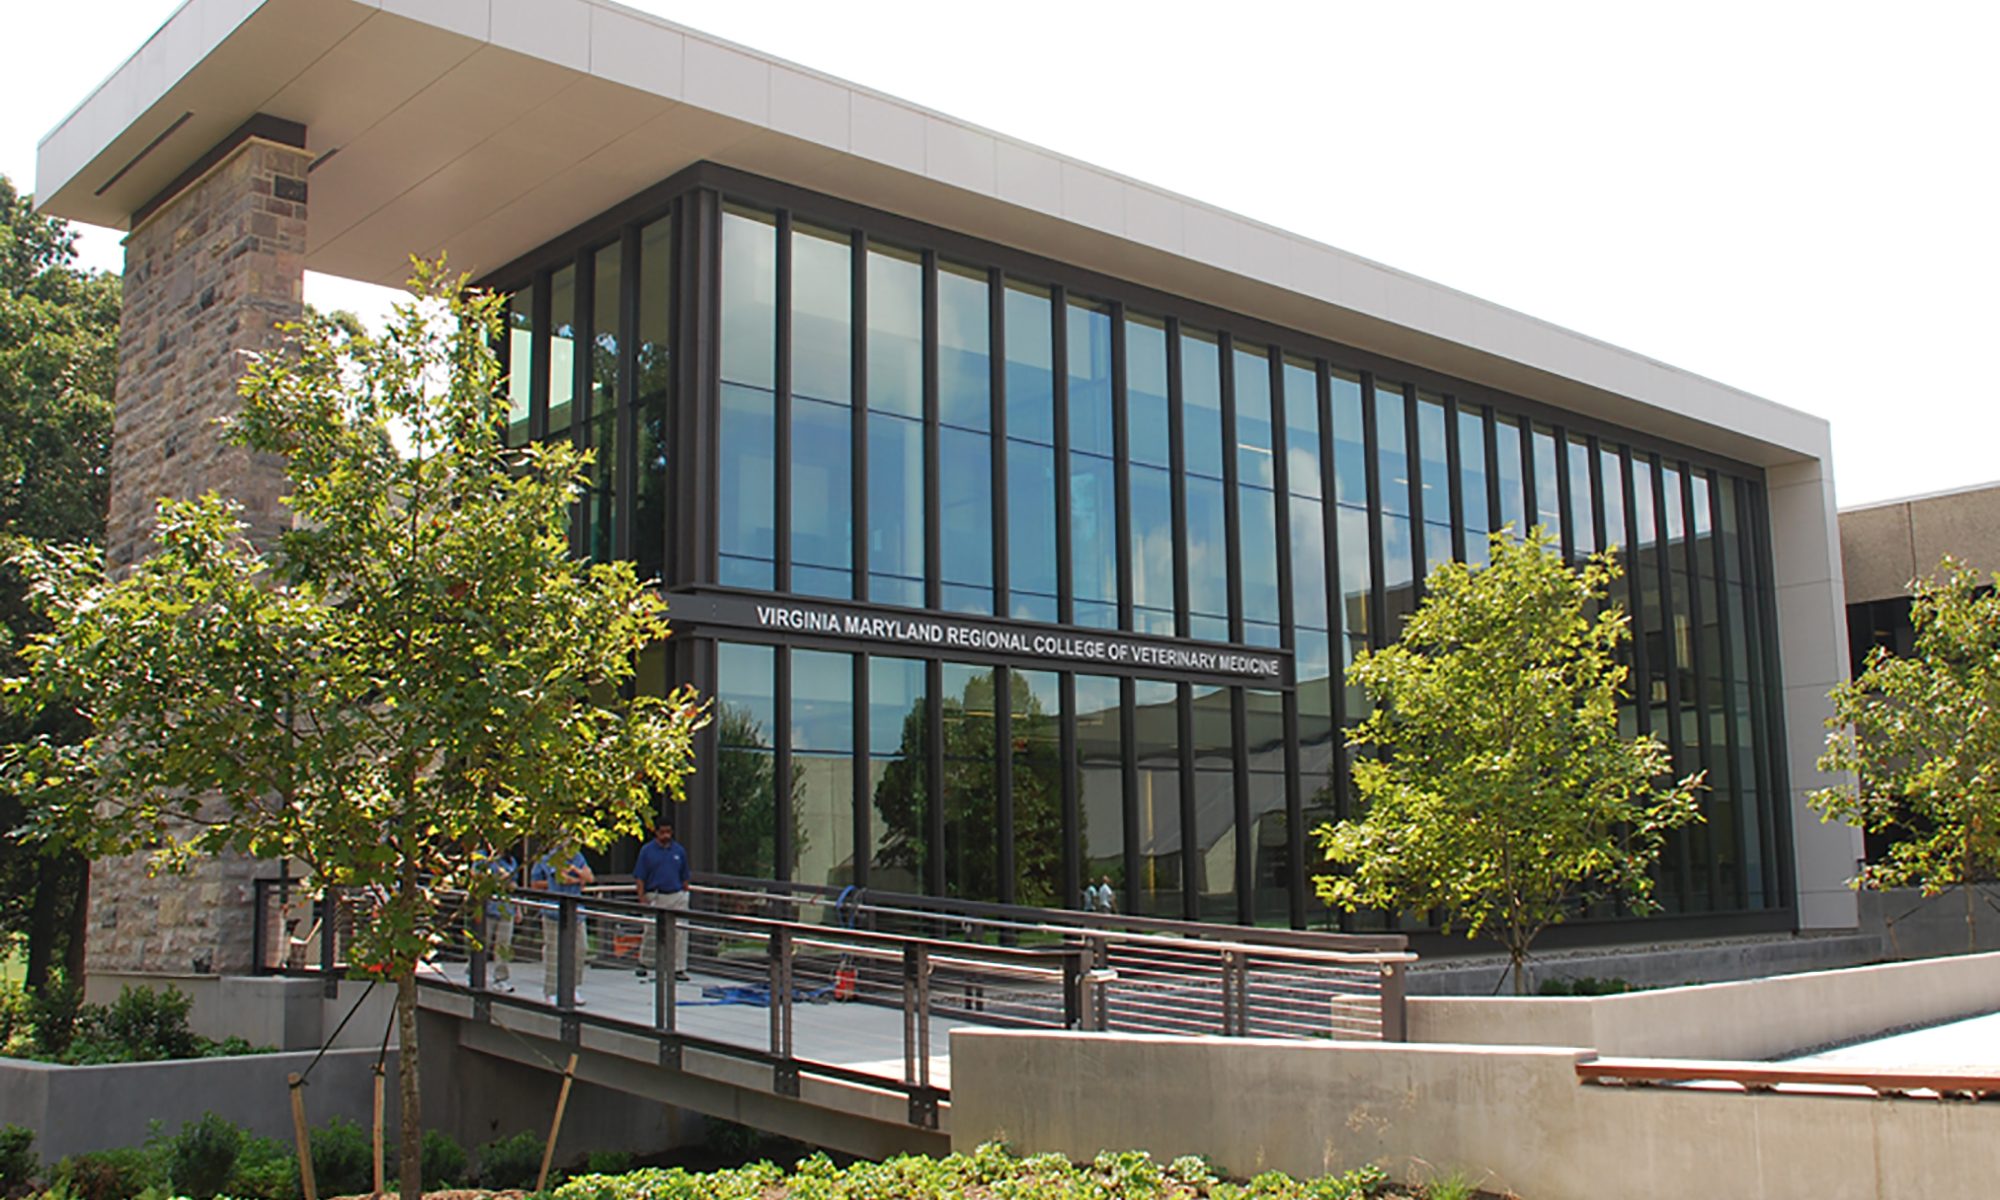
(905, 630)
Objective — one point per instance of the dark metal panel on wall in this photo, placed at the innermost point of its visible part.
(1452, 462)
(1003, 782)
(1565, 509)
(1246, 842)
(934, 755)
(785, 847)
(538, 383)
(863, 814)
(1128, 744)
(1072, 795)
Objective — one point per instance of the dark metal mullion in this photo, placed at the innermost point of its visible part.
(1177, 457)
(1757, 516)
(1072, 794)
(863, 784)
(1240, 773)
(934, 765)
(1531, 496)
(1184, 718)
(781, 453)
(1701, 730)
(1726, 649)
(857, 390)
(1281, 485)
(542, 318)
(1600, 525)
(625, 479)
(582, 389)
(996, 378)
(933, 405)
(1454, 459)
(1370, 445)
(781, 700)
(1232, 516)
(1564, 501)
(1006, 860)
(1491, 420)
(1059, 392)
(1128, 743)
(697, 395)
(1336, 610)
(1413, 469)
(1642, 675)
(1121, 454)
(1683, 844)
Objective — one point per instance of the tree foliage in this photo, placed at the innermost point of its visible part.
(1498, 789)
(58, 363)
(417, 670)
(1920, 736)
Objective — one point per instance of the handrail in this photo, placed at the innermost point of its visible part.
(1760, 1076)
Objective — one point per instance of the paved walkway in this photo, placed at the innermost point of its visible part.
(1972, 1042)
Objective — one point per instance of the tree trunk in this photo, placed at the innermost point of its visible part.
(57, 920)
(42, 924)
(79, 922)
(1518, 958)
(412, 1156)
(1971, 920)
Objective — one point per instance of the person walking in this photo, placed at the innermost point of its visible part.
(661, 875)
(1107, 900)
(500, 924)
(561, 872)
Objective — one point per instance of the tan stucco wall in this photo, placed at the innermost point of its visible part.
(1512, 1119)
(1751, 1019)
(1885, 546)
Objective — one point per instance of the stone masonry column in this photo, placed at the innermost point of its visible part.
(211, 267)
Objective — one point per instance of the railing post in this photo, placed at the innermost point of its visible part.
(566, 934)
(1072, 988)
(1227, 968)
(1395, 1004)
(475, 969)
(329, 933)
(916, 1014)
(1100, 966)
(785, 1076)
(666, 946)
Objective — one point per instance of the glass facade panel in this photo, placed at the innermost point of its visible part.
(965, 496)
(1152, 549)
(1302, 473)
(1157, 892)
(822, 498)
(1207, 559)
(1212, 858)
(822, 315)
(1434, 475)
(965, 365)
(1269, 833)
(1308, 534)
(1201, 404)
(1356, 578)
(1507, 468)
(1031, 529)
(1350, 448)
(749, 316)
(822, 740)
(896, 507)
(1093, 539)
(520, 364)
(1035, 700)
(1256, 512)
(1030, 370)
(1254, 467)
(1088, 347)
(655, 394)
(1548, 489)
(746, 721)
(1392, 448)
(896, 336)
(745, 519)
(970, 793)
(600, 502)
(562, 350)
(1100, 752)
(1146, 419)
(1582, 507)
(899, 774)
(1472, 474)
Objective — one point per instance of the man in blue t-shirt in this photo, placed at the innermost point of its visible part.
(562, 872)
(662, 877)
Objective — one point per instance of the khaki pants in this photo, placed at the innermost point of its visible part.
(677, 901)
(499, 943)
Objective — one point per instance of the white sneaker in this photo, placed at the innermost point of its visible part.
(549, 1000)
(501, 986)
(580, 1001)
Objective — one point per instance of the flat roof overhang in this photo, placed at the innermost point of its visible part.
(484, 128)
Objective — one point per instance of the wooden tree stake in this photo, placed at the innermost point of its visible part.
(298, 1085)
(555, 1127)
(378, 1129)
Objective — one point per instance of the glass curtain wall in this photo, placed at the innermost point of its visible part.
(911, 429)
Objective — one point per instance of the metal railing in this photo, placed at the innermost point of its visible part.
(850, 984)
(1975, 1083)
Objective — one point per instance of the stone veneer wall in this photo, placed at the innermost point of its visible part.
(208, 276)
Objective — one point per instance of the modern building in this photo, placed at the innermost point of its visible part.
(1019, 516)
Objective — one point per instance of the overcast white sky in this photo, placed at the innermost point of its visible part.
(1798, 199)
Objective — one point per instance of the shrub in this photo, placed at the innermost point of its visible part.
(108, 1174)
(444, 1161)
(511, 1162)
(52, 1017)
(343, 1157)
(1585, 985)
(18, 1163)
(202, 1156)
(148, 1025)
(608, 1162)
(266, 1169)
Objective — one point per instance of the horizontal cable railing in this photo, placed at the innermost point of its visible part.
(1932, 1082)
(856, 988)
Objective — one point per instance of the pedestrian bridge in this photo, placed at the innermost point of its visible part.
(828, 1015)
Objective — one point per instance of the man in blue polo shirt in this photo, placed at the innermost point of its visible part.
(662, 877)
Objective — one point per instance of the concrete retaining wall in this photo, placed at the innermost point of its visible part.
(77, 1109)
(1510, 1118)
(1752, 1019)
(268, 1010)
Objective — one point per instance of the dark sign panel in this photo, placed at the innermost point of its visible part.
(941, 635)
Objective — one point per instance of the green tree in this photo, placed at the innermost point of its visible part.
(58, 362)
(418, 669)
(1498, 789)
(1919, 735)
